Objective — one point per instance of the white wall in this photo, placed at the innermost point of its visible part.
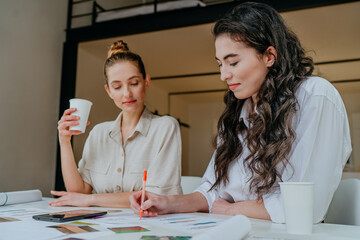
(203, 118)
(355, 140)
(31, 38)
(179, 110)
(201, 112)
(350, 94)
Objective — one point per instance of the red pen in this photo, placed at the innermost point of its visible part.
(143, 193)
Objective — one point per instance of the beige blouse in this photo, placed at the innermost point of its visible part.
(155, 146)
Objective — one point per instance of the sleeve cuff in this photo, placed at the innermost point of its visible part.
(85, 174)
(210, 196)
(172, 190)
(274, 206)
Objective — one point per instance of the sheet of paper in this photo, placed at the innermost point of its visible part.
(234, 228)
(186, 222)
(21, 214)
(154, 237)
(27, 230)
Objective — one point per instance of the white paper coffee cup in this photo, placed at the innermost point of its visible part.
(83, 109)
(298, 201)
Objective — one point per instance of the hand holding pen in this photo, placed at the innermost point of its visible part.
(143, 193)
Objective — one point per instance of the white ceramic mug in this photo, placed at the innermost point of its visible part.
(298, 201)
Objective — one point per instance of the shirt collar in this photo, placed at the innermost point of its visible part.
(115, 132)
(142, 126)
(144, 122)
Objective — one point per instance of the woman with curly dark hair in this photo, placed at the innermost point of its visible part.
(279, 124)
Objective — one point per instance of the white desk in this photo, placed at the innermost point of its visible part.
(261, 229)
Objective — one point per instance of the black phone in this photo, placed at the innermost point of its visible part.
(69, 215)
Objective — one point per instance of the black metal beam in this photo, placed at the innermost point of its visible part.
(338, 61)
(144, 23)
(82, 1)
(345, 81)
(185, 76)
(179, 18)
(68, 83)
(69, 15)
(293, 5)
(196, 92)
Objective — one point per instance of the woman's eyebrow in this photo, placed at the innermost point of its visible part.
(115, 81)
(132, 77)
(228, 56)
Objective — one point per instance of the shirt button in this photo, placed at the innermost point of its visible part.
(118, 188)
(119, 170)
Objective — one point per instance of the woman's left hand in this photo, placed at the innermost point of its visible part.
(71, 199)
(221, 206)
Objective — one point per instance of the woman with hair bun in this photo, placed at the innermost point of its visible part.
(279, 124)
(116, 153)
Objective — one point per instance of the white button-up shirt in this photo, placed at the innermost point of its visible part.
(155, 145)
(319, 153)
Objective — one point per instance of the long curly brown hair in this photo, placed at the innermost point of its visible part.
(270, 134)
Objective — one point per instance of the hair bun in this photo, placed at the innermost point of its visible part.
(118, 47)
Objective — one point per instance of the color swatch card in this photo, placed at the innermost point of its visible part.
(187, 223)
(130, 229)
(153, 237)
(8, 219)
(19, 214)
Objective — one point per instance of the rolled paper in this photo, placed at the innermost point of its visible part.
(7, 198)
(234, 228)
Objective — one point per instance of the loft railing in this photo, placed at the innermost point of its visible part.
(85, 12)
